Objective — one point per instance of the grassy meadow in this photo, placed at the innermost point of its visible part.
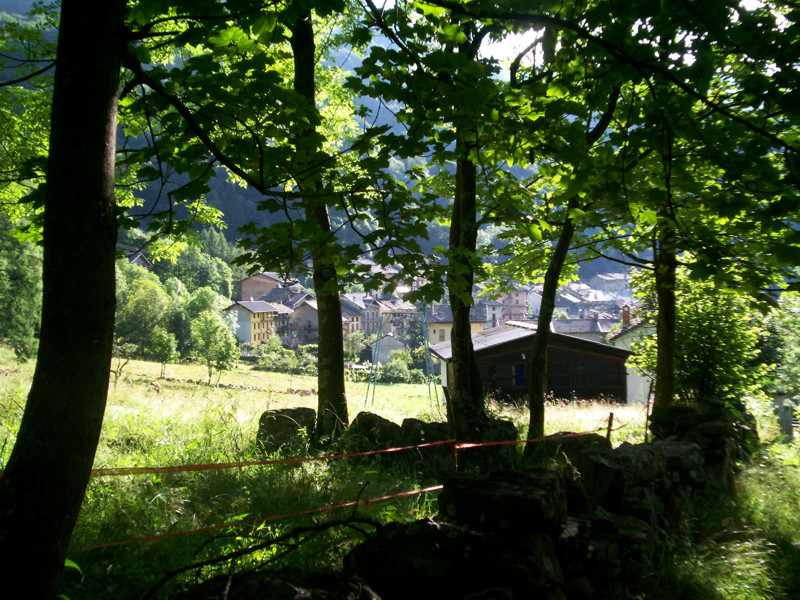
(152, 421)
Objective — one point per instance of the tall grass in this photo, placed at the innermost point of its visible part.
(180, 421)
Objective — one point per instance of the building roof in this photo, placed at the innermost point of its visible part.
(259, 306)
(512, 331)
(138, 257)
(290, 296)
(632, 325)
(277, 277)
(582, 325)
(443, 313)
(396, 305)
(613, 276)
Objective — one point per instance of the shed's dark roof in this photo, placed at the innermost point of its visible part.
(492, 338)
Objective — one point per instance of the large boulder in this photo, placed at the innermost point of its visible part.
(285, 427)
(368, 432)
(605, 555)
(672, 421)
(506, 502)
(430, 560)
(564, 448)
(434, 459)
(490, 457)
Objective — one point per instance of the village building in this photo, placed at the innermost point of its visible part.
(613, 283)
(439, 321)
(259, 284)
(385, 344)
(139, 259)
(256, 320)
(305, 323)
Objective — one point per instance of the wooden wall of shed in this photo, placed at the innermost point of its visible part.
(571, 373)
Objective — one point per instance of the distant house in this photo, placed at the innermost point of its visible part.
(292, 296)
(534, 299)
(515, 304)
(614, 283)
(439, 321)
(139, 259)
(259, 284)
(351, 316)
(594, 329)
(633, 329)
(384, 315)
(257, 320)
(381, 347)
(576, 368)
(305, 322)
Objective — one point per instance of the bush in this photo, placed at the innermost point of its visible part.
(717, 339)
(273, 356)
(307, 361)
(416, 376)
(395, 371)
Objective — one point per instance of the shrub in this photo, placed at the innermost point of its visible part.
(395, 371)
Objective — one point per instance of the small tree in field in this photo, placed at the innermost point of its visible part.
(164, 348)
(121, 354)
(214, 343)
(354, 345)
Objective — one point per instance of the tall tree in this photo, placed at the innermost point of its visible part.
(451, 110)
(44, 481)
(265, 118)
(332, 408)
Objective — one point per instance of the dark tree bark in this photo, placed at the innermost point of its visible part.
(538, 365)
(466, 388)
(46, 476)
(332, 403)
(665, 268)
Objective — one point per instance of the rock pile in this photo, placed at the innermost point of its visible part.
(590, 529)
(591, 526)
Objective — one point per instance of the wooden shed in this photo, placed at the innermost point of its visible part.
(576, 368)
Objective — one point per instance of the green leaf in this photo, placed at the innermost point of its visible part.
(649, 217)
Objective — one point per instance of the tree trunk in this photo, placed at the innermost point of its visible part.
(666, 265)
(332, 403)
(46, 476)
(466, 387)
(538, 364)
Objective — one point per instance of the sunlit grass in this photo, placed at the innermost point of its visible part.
(181, 420)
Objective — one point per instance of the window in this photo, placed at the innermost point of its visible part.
(441, 335)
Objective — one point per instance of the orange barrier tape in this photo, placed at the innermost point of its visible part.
(114, 471)
(250, 463)
(163, 536)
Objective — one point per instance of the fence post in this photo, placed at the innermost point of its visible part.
(610, 425)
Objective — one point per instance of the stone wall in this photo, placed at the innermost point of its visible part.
(591, 526)
(590, 522)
